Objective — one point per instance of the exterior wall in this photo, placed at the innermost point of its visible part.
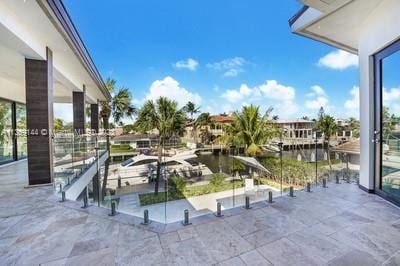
(378, 31)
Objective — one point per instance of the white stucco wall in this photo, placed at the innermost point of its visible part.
(380, 29)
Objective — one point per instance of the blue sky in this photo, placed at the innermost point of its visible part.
(221, 54)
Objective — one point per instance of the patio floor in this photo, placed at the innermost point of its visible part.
(340, 225)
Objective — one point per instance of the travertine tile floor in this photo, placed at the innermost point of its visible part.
(340, 225)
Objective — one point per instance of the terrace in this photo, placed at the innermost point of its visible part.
(338, 225)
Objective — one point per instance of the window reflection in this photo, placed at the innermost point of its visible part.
(6, 143)
(391, 125)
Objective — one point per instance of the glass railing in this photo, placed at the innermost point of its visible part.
(73, 155)
(201, 182)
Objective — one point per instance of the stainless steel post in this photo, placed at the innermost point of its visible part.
(113, 211)
(146, 219)
(270, 197)
(219, 212)
(186, 218)
(308, 187)
(247, 202)
(291, 191)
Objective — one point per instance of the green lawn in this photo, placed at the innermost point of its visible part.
(121, 148)
(173, 194)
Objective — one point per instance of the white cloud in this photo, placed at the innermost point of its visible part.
(316, 91)
(170, 88)
(189, 64)
(317, 103)
(286, 109)
(391, 95)
(354, 102)
(338, 59)
(273, 90)
(227, 108)
(231, 66)
(270, 89)
(320, 99)
(237, 95)
(282, 95)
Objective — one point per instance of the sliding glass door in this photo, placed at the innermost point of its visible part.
(20, 116)
(387, 122)
(13, 140)
(6, 130)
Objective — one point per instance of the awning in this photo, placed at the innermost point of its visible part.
(252, 162)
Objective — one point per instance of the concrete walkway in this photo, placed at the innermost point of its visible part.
(172, 211)
(340, 225)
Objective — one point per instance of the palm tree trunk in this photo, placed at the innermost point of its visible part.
(107, 163)
(329, 156)
(195, 134)
(157, 183)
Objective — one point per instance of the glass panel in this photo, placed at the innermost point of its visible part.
(63, 161)
(390, 140)
(21, 131)
(6, 140)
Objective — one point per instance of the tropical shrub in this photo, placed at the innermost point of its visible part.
(217, 180)
(179, 184)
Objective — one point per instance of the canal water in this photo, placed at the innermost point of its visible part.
(215, 161)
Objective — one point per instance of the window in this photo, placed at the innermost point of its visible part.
(6, 130)
(21, 130)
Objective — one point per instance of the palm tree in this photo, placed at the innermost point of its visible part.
(191, 109)
(163, 115)
(355, 127)
(250, 128)
(121, 105)
(328, 127)
(58, 124)
(204, 121)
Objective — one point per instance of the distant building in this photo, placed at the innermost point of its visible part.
(350, 151)
(220, 123)
(297, 128)
(142, 141)
(344, 131)
(136, 141)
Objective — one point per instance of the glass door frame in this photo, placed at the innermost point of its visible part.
(14, 126)
(378, 107)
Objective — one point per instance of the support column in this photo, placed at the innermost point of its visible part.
(94, 117)
(39, 115)
(78, 106)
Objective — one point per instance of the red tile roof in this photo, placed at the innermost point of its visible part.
(222, 119)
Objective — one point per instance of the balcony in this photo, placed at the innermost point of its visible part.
(338, 225)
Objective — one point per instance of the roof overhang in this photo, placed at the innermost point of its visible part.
(26, 29)
(334, 22)
(58, 15)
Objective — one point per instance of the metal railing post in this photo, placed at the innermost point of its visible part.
(291, 191)
(146, 219)
(62, 196)
(308, 187)
(247, 203)
(85, 199)
(113, 209)
(186, 218)
(270, 199)
(219, 212)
